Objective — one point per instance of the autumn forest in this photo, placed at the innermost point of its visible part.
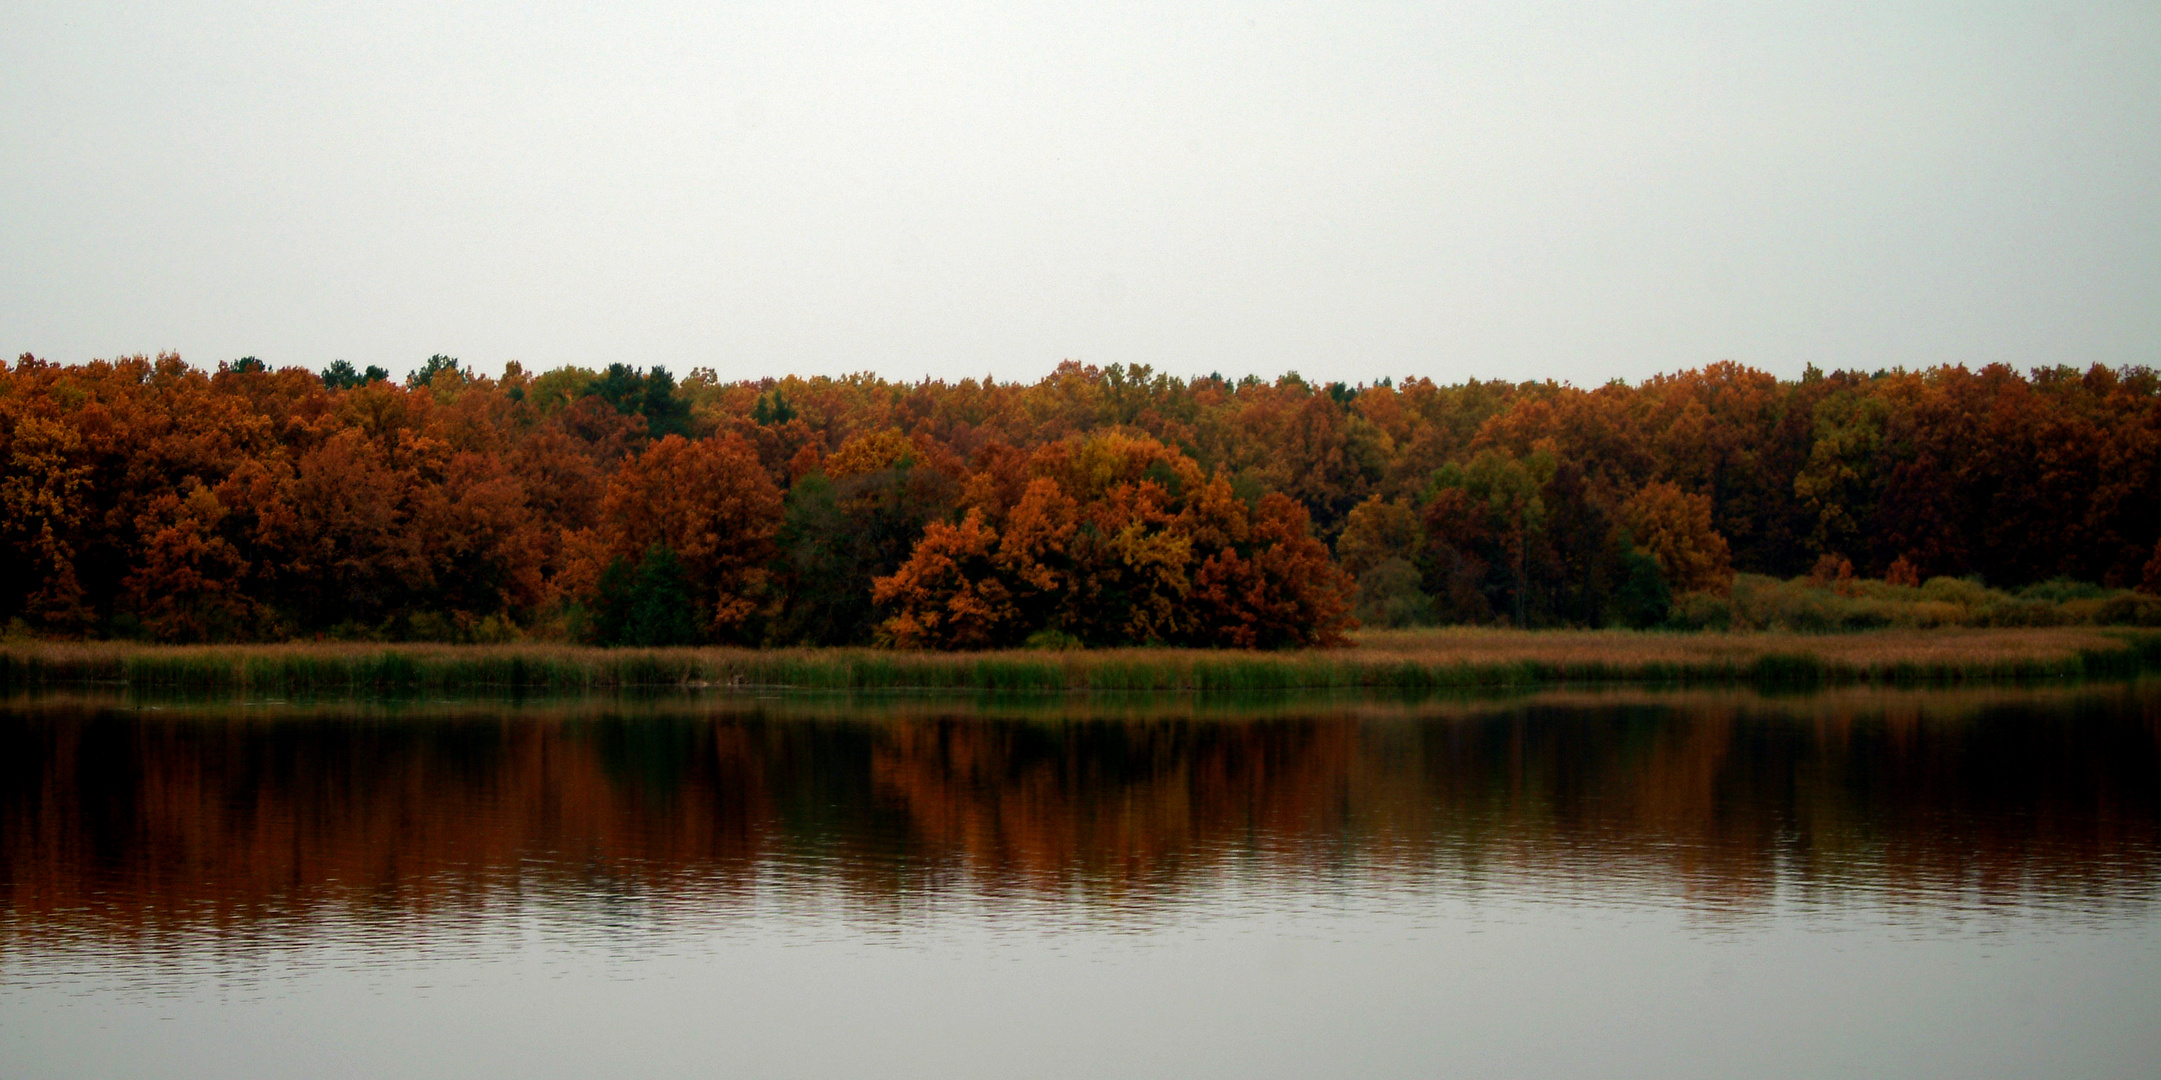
(146, 499)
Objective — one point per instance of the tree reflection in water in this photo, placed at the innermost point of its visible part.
(144, 822)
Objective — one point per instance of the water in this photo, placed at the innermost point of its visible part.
(1589, 884)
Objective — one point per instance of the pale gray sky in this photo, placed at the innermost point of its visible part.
(1344, 189)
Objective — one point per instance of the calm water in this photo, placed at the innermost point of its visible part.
(1627, 884)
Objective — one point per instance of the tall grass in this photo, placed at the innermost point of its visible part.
(1812, 606)
(902, 704)
(1421, 660)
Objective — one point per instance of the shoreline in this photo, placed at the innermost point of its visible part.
(1451, 658)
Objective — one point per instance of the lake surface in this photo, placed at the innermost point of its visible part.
(1948, 883)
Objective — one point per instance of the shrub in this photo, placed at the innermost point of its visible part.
(1389, 596)
(1827, 603)
(1701, 611)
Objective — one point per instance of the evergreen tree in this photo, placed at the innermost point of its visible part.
(665, 412)
(771, 409)
(621, 386)
(1643, 598)
(425, 374)
(661, 611)
(610, 607)
(650, 394)
(341, 375)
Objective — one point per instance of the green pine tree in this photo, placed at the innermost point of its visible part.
(661, 612)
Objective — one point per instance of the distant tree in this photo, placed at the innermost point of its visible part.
(649, 394)
(339, 531)
(1389, 596)
(1641, 598)
(1314, 463)
(839, 535)
(666, 413)
(190, 585)
(1489, 517)
(474, 523)
(621, 386)
(711, 505)
(1533, 540)
(340, 375)
(772, 409)
(1675, 528)
(1376, 531)
(1285, 593)
(1903, 572)
(436, 365)
(609, 608)
(950, 593)
(824, 583)
(47, 494)
(143, 497)
(661, 611)
(607, 435)
(1573, 556)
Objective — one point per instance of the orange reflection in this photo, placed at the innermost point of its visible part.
(132, 821)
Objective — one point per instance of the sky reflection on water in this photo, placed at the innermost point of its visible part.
(1945, 883)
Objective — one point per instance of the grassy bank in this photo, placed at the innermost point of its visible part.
(1399, 660)
(1921, 701)
(1809, 605)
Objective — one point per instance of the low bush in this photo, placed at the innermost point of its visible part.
(1813, 606)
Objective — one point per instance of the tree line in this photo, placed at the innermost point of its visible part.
(145, 498)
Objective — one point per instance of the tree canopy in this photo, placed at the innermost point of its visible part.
(146, 498)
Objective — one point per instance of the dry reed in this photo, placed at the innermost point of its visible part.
(1415, 660)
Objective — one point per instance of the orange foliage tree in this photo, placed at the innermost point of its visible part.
(712, 505)
(143, 497)
(1118, 539)
(1675, 527)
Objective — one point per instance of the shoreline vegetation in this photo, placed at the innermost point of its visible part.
(1114, 509)
(1388, 660)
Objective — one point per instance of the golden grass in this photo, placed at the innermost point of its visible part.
(1635, 648)
(1759, 603)
(1416, 660)
(1920, 701)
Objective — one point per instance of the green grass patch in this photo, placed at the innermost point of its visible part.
(1434, 662)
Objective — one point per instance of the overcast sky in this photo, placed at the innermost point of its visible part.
(1344, 189)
